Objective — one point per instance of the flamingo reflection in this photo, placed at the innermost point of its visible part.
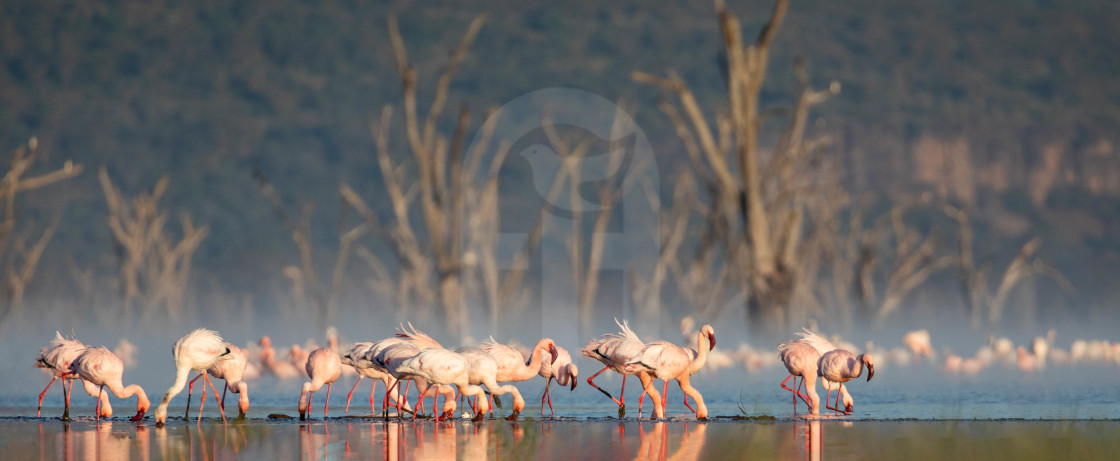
(654, 445)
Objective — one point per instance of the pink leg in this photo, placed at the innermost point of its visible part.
(327, 404)
(804, 397)
(371, 391)
(351, 394)
(309, 395)
(190, 390)
(664, 394)
(591, 382)
(41, 394)
(97, 409)
(220, 409)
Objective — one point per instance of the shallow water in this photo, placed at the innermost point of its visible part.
(562, 440)
(914, 412)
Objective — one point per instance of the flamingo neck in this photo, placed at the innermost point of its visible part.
(534, 366)
(181, 375)
(702, 354)
(303, 396)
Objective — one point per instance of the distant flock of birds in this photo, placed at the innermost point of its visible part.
(484, 370)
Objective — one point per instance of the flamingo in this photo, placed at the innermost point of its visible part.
(413, 342)
(442, 367)
(800, 359)
(282, 369)
(197, 350)
(918, 342)
(613, 351)
(824, 346)
(512, 366)
(232, 371)
(323, 367)
(100, 367)
(840, 366)
(561, 369)
(367, 365)
(364, 367)
(56, 360)
(665, 361)
(482, 369)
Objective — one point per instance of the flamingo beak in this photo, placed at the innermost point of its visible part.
(553, 353)
(139, 416)
(574, 382)
(848, 408)
(870, 371)
(711, 341)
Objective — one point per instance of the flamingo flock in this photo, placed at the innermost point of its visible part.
(484, 372)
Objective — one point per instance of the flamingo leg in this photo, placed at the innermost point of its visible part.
(783, 384)
(548, 397)
(309, 395)
(220, 409)
(550, 410)
(41, 394)
(66, 411)
(351, 394)
(98, 408)
(371, 391)
(664, 394)
(327, 403)
(608, 394)
(203, 403)
(804, 397)
(190, 389)
(686, 403)
(225, 387)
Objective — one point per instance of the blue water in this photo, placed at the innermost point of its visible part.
(924, 392)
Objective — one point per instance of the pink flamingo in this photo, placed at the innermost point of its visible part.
(197, 350)
(323, 367)
(840, 366)
(232, 371)
(394, 355)
(665, 361)
(482, 369)
(559, 368)
(512, 366)
(57, 359)
(282, 369)
(358, 358)
(800, 359)
(824, 346)
(101, 367)
(366, 363)
(613, 351)
(441, 367)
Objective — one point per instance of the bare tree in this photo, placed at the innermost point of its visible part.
(21, 259)
(756, 220)
(454, 247)
(974, 281)
(154, 267)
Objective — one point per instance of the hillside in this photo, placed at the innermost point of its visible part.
(1009, 105)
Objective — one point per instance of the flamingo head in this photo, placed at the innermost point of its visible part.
(848, 404)
(160, 415)
(711, 334)
(573, 373)
(869, 362)
(142, 405)
(551, 347)
(265, 342)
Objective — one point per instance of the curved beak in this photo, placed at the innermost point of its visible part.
(139, 415)
(574, 382)
(711, 341)
(848, 408)
(553, 353)
(870, 372)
